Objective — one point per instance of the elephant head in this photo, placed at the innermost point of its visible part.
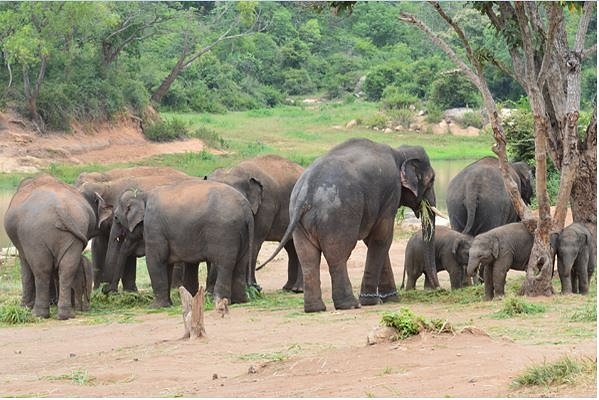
(126, 234)
(483, 251)
(461, 248)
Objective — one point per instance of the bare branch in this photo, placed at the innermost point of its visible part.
(583, 26)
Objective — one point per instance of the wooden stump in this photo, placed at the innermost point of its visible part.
(193, 313)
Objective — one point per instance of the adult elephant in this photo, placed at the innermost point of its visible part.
(352, 193)
(102, 196)
(576, 261)
(50, 223)
(451, 254)
(477, 200)
(497, 251)
(190, 221)
(129, 172)
(267, 182)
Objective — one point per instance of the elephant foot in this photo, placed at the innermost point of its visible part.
(346, 304)
(130, 289)
(161, 303)
(391, 297)
(256, 286)
(294, 289)
(316, 306)
(370, 299)
(42, 312)
(65, 313)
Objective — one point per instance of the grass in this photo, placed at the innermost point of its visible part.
(566, 370)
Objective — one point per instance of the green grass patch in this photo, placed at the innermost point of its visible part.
(407, 323)
(563, 371)
(585, 313)
(514, 306)
(12, 313)
(78, 376)
(465, 295)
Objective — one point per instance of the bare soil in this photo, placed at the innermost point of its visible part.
(269, 353)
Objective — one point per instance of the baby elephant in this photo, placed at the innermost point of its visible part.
(575, 257)
(451, 255)
(81, 288)
(498, 250)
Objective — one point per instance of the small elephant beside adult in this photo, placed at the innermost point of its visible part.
(497, 251)
(81, 289)
(50, 223)
(352, 193)
(267, 182)
(477, 200)
(576, 258)
(102, 195)
(189, 221)
(451, 254)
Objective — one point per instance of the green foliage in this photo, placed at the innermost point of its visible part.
(587, 313)
(472, 118)
(166, 131)
(210, 138)
(453, 90)
(405, 321)
(14, 314)
(393, 97)
(514, 306)
(565, 370)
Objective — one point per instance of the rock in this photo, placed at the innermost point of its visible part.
(381, 334)
(351, 124)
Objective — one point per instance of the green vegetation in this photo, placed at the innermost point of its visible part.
(514, 306)
(407, 323)
(78, 376)
(563, 371)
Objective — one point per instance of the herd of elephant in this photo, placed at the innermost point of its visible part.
(350, 193)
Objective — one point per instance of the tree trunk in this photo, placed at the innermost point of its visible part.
(193, 313)
(168, 81)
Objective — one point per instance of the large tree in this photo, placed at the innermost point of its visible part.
(546, 62)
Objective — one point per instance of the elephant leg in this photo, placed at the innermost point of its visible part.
(309, 259)
(224, 281)
(177, 275)
(129, 274)
(158, 271)
(99, 248)
(387, 289)
(256, 249)
(488, 279)
(565, 277)
(295, 278)
(27, 284)
(377, 261)
(211, 275)
(456, 275)
(499, 277)
(583, 275)
(67, 271)
(189, 278)
(239, 281)
(412, 278)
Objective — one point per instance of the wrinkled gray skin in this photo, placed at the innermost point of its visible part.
(352, 193)
(190, 221)
(497, 251)
(267, 182)
(477, 200)
(575, 254)
(50, 223)
(451, 255)
(102, 191)
(81, 289)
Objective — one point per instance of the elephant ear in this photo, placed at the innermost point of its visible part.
(554, 240)
(254, 194)
(456, 245)
(135, 213)
(408, 177)
(495, 248)
(104, 210)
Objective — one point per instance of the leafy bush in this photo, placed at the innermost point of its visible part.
(15, 314)
(513, 306)
(377, 120)
(563, 371)
(472, 118)
(405, 321)
(452, 90)
(393, 97)
(210, 138)
(403, 116)
(166, 131)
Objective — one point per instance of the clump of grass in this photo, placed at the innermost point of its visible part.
(563, 371)
(587, 313)
(409, 324)
(513, 306)
(15, 314)
(210, 138)
(121, 299)
(80, 377)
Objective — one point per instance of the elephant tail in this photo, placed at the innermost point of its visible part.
(470, 204)
(295, 218)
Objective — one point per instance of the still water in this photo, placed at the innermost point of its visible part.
(445, 170)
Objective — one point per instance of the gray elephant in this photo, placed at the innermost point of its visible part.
(81, 289)
(499, 250)
(451, 255)
(477, 200)
(189, 221)
(129, 172)
(352, 193)
(50, 223)
(267, 182)
(574, 248)
(102, 196)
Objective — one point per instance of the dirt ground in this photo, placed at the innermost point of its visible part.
(254, 353)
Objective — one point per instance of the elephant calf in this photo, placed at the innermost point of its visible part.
(451, 255)
(498, 250)
(576, 262)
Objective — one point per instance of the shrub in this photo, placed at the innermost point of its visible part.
(14, 314)
(393, 97)
(377, 120)
(513, 306)
(166, 131)
(405, 321)
(472, 118)
(210, 138)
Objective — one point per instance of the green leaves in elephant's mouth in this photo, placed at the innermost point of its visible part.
(425, 220)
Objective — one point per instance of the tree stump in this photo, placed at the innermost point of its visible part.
(193, 313)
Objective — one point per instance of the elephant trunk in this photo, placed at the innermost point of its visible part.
(427, 220)
(116, 260)
(473, 265)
